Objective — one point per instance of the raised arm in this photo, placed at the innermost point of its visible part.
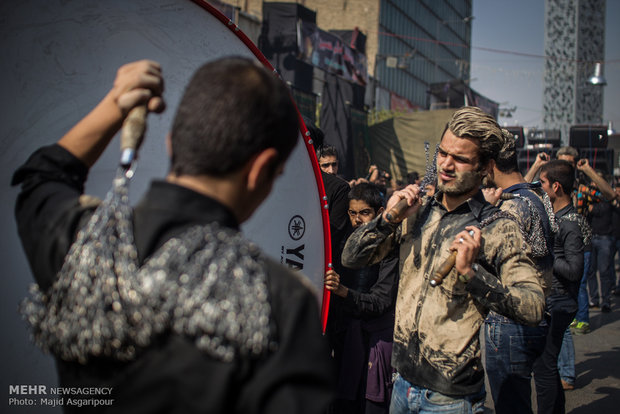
(370, 243)
(136, 83)
(608, 192)
(50, 207)
(541, 159)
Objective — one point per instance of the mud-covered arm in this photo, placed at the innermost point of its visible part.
(369, 243)
(516, 289)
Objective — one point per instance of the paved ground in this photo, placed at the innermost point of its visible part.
(597, 366)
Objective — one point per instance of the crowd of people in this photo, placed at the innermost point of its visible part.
(569, 215)
(190, 317)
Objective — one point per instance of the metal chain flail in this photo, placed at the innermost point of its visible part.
(209, 285)
(535, 237)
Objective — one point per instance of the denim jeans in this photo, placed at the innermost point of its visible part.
(601, 260)
(566, 359)
(511, 350)
(550, 395)
(615, 263)
(583, 313)
(409, 399)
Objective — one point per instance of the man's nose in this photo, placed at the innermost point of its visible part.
(447, 163)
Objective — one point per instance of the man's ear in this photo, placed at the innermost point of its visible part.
(379, 211)
(261, 168)
(555, 186)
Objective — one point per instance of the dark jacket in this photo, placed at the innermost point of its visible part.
(172, 375)
(568, 254)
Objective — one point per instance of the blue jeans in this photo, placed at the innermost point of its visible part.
(566, 359)
(511, 350)
(615, 250)
(601, 260)
(583, 313)
(409, 399)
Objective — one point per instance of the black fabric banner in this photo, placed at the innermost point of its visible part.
(330, 53)
(338, 98)
(306, 103)
(279, 33)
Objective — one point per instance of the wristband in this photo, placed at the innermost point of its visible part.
(469, 275)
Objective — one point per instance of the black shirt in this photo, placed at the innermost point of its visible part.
(568, 254)
(601, 218)
(172, 375)
(337, 192)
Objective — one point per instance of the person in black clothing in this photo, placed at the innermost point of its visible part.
(556, 178)
(328, 159)
(363, 322)
(194, 343)
(511, 347)
(336, 191)
(616, 248)
(600, 216)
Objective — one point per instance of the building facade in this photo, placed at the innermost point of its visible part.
(421, 43)
(574, 42)
(410, 44)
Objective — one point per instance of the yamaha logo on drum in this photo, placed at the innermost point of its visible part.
(293, 256)
(296, 227)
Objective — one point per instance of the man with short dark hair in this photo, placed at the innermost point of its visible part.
(204, 322)
(328, 159)
(557, 179)
(511, 348)
(436, 334)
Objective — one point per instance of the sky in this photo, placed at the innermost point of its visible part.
(513, 79)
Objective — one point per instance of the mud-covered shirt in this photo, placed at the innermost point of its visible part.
(528, 208)
(436, 341)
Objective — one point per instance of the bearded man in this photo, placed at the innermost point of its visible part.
(436, 335)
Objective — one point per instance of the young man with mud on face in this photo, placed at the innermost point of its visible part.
(436, 335)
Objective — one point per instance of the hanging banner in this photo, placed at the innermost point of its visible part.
(329, 52)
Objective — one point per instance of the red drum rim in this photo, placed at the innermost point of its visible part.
(307, 142)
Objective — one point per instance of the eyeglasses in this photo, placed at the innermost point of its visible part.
(367, 212)
(325, 165)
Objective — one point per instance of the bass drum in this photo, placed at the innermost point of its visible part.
(60, 58)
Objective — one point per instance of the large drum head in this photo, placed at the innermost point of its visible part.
(60, 58)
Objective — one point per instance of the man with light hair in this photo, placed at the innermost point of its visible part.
(436, 335)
